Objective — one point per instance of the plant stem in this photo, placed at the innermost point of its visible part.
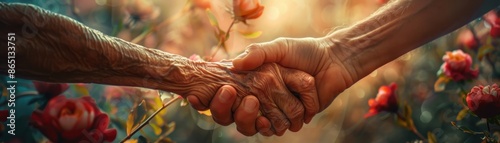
(223, 40)
(415, 131)
(411, 126)
(488, 125)
(150, 118)
(401, 116)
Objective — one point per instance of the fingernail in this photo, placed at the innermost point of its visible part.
(223, 96)
(242, 55)
(249, 106)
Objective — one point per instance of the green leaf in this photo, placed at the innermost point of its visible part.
(136, 116)
(156, 129)
(212, 19)
(464, 112)
(485, 49)
(81, 89)
(406, 120)
(402, 122)
(251, 35)
(464, 98)
(431, 137)
(440, 84)
(408, 111)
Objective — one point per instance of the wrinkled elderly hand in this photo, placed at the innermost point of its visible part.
(83, 55)
(279, 90)
(319, 57)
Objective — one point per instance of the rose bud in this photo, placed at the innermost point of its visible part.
(247, 9)
(385, 101)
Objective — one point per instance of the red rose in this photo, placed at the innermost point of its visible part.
(492, 18)
(495, 29)
(484, 101)
(73, 120)
(50, 90)
(457, 66)
(385, 101)
(247, 9)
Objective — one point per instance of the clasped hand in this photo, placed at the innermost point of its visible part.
(285, 97)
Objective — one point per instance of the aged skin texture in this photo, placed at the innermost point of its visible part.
(51, 47)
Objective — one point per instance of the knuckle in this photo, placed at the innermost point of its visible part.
(308, 82)
(285, 42)
(253, 47)
(281, 125)
(297, 113)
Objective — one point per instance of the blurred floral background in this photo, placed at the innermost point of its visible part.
(427, 95)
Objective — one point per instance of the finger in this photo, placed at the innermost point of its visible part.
(258, 54)
(304, 85)
(275, 106)
(221, 105)
(293, 110)
(264, 126)
(246, 115)
(196, 103)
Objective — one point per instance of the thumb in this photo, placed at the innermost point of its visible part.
(258, 54)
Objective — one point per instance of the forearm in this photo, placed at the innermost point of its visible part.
(400, 27)
(51, 47)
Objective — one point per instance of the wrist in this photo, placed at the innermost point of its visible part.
(343, 56)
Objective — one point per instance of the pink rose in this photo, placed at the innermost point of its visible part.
(484, 101)
(73, 120)
(457, 66)
(385, 101)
